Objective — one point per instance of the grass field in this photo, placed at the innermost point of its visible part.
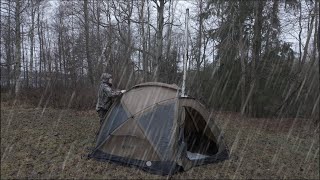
(51, 143)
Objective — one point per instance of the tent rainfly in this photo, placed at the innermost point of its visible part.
(153, 128)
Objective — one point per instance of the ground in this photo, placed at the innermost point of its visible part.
(51, 143)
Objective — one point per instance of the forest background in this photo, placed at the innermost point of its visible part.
(259, 58)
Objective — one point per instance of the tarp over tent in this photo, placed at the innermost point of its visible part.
(152, 127)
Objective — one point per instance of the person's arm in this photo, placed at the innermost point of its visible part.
(111, 93)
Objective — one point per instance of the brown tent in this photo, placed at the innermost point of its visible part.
(152, 127)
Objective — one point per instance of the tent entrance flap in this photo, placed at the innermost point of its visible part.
(199, 143)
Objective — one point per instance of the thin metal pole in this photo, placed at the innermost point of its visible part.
(185, 57)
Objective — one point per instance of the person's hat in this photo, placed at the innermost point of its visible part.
(105, 77)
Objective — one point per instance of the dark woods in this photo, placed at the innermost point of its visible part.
(53, 52)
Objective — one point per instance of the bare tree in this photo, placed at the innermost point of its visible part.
(17, 67)
(159, 38)
(86, 27)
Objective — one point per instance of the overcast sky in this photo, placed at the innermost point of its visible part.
(290, 31)
(289, 21)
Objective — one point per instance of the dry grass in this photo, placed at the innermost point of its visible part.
(50, 143)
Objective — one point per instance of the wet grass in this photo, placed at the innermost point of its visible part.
(51, 143)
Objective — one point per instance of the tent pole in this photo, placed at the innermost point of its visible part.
(185, 57)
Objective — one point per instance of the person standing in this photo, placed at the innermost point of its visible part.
(105, 96)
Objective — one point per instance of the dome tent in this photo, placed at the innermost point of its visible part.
(153, 128)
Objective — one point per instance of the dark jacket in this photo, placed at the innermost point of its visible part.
(105, 95)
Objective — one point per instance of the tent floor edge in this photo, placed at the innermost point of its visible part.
(163, 168)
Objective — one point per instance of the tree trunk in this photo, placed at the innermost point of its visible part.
(159, 40)
(256, 47)
(60, 46)
(18, 48)
(9, 50)
(24, 66)
(243, 70)
(86, 27)
(169, 37)
(300, 32)
(144, 43)
(306, 47)
(129, 47)
(31, 43)
(40, 49)
(48, 48)
(199, 44)
(72, 54)
(318, 10)
(204, 55)
(100, 50)
(149, 64)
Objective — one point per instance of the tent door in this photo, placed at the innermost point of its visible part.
(199, 145)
